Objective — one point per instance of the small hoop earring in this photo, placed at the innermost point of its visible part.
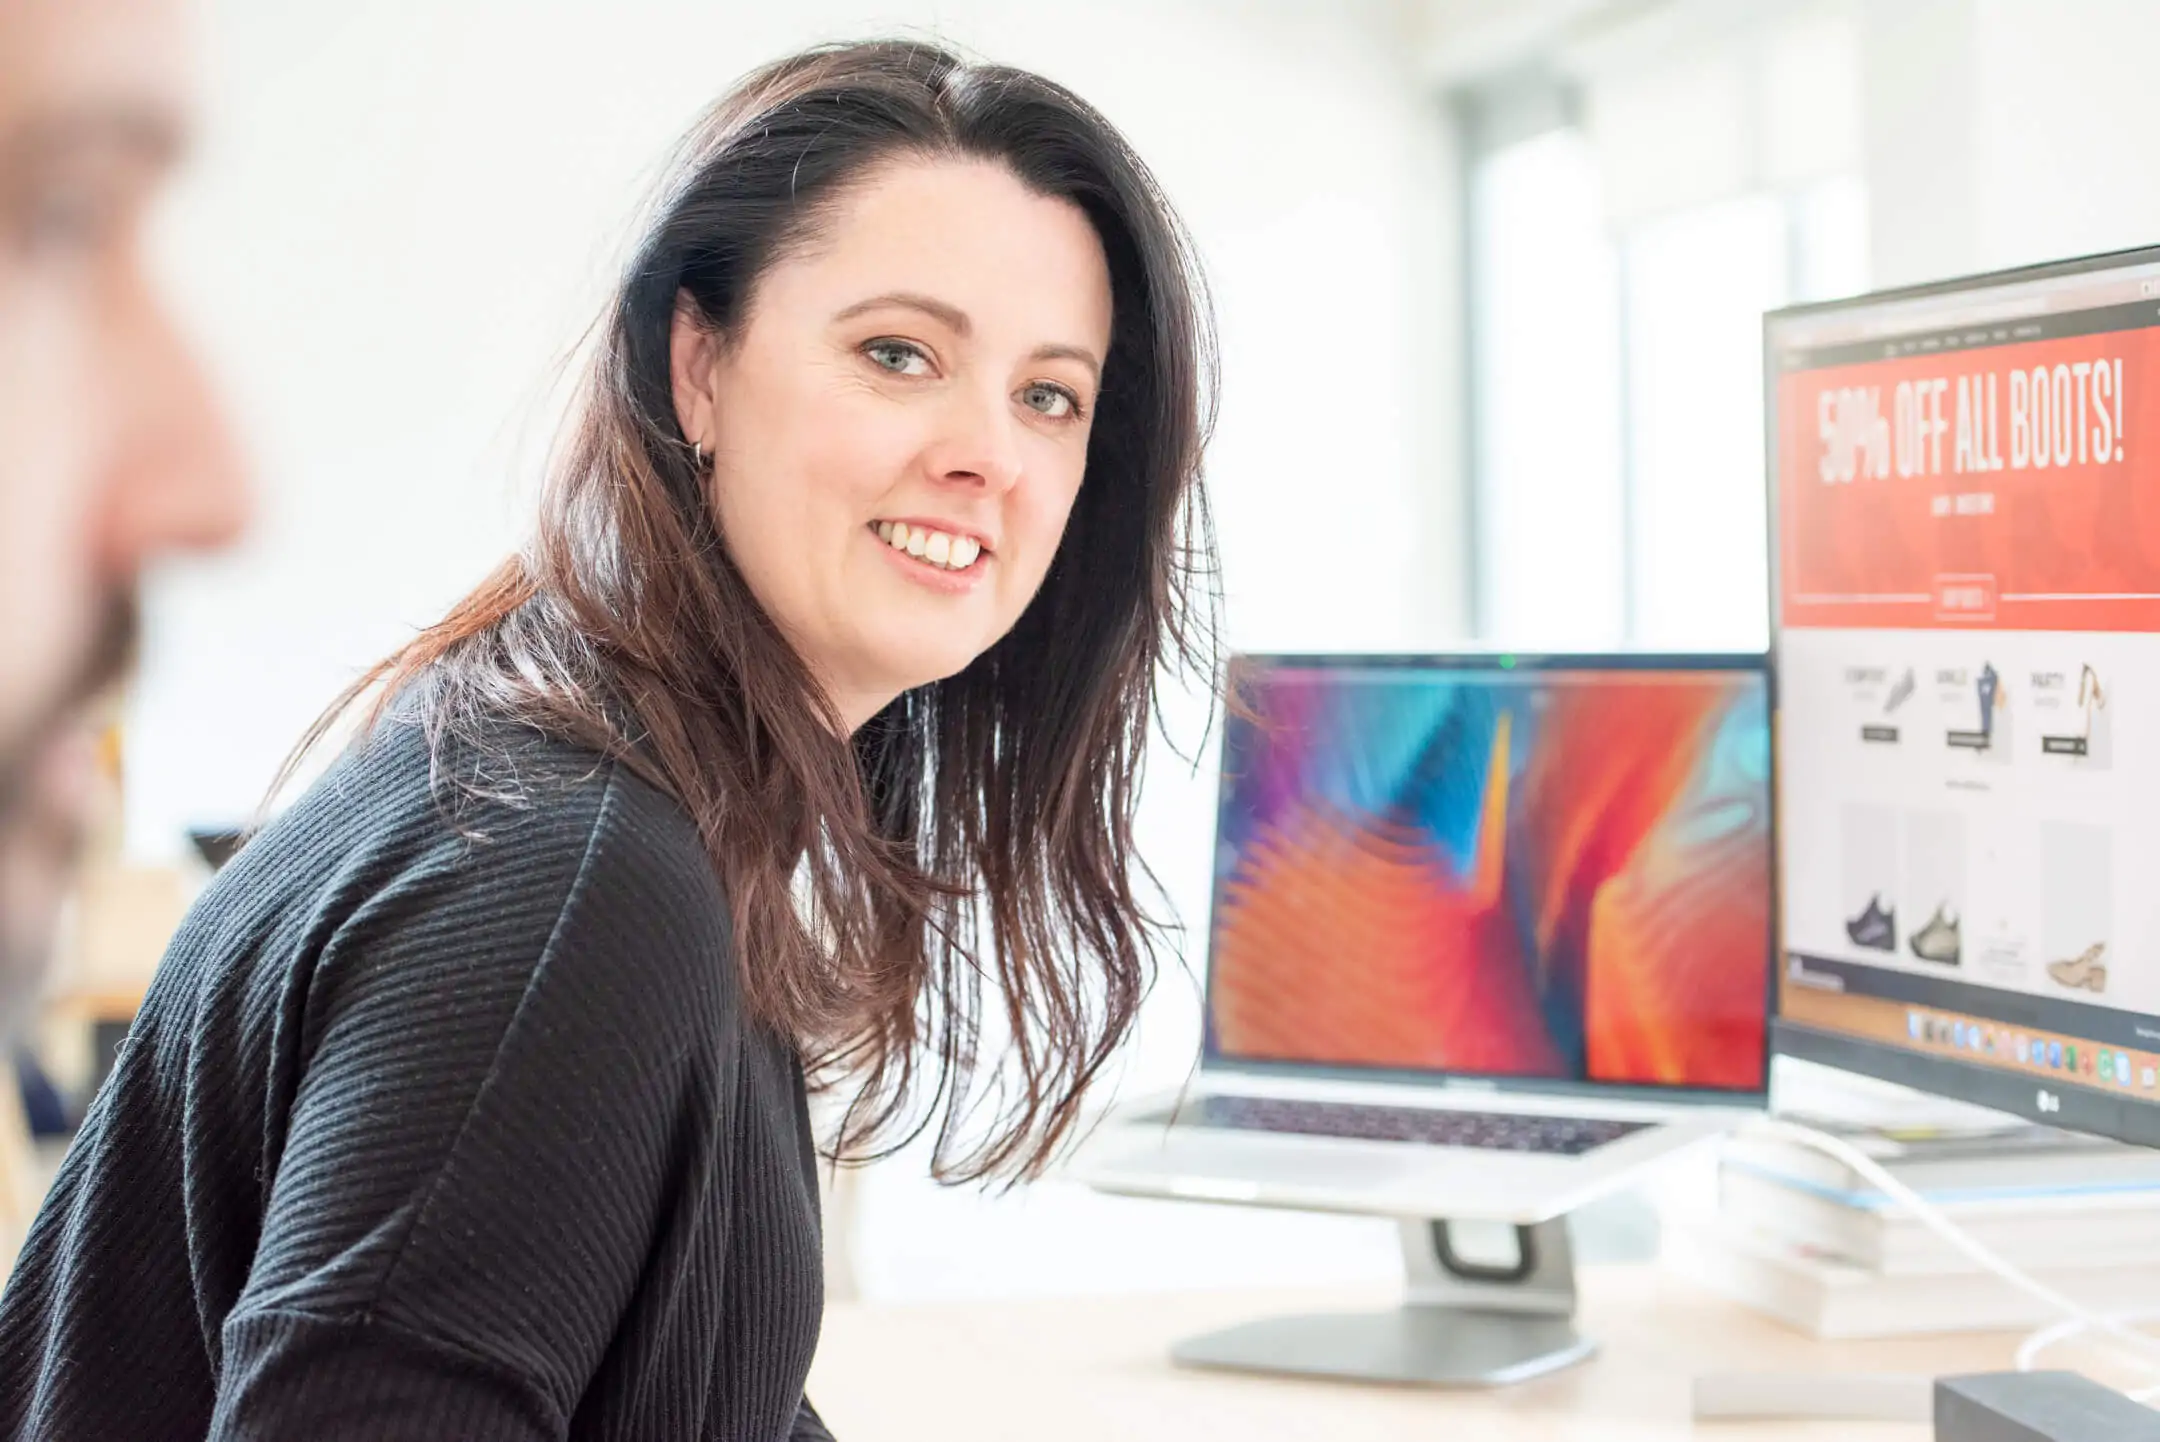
(698, 450)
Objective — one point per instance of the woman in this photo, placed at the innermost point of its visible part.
(469, 1101)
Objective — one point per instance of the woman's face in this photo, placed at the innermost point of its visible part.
(899, 430)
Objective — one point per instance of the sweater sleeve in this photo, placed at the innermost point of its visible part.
(502, 1055)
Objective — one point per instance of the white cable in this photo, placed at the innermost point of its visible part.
(2078, 1316)
(2029, 1350)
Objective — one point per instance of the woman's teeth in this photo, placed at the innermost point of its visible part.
(953, 553)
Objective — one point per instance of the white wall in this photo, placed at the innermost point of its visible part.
(2002, 132)
(404, 211)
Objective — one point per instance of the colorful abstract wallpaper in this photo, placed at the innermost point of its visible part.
(1529, 873)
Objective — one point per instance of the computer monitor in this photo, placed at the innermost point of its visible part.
(1540, 871)
(1965, 559)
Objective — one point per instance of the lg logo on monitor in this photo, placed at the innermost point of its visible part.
(2049, 1102)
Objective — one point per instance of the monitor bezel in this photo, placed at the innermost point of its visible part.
(2070, 1103)
(1218, 1061)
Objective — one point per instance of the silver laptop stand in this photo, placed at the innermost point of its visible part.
(1461, 1324)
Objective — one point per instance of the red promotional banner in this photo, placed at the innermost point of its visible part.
(2015, 487)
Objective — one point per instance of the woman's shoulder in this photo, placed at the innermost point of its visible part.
(507, 846)
(490, 783)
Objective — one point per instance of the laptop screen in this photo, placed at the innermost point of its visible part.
(1552, 868)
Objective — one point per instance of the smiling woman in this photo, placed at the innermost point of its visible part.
(871, 430)
(470, 1100)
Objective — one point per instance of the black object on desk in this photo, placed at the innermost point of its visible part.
(2038, 1407)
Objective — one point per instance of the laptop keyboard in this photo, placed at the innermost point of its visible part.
(1488, 1131)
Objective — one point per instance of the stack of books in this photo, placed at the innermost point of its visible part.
(1801, 1237)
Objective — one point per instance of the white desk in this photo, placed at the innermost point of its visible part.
(1097, 1368)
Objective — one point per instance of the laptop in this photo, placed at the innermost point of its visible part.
(1490, 934)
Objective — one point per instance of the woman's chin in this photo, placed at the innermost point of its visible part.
(912, 662)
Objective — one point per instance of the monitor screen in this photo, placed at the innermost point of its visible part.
(1553, 869)
(1965, 488)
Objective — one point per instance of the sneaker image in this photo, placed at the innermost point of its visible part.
(1874, 928)
(1938, 940)
(2086, 969)
(1901, 692)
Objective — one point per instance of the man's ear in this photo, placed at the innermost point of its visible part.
(693, 359)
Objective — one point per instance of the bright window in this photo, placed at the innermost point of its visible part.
(1544, 321)
(1617, 394)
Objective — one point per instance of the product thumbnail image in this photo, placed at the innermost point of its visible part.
(1938, 940)
(2085, 970)
(1874, 928)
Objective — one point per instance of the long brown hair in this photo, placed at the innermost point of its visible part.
(980, 826)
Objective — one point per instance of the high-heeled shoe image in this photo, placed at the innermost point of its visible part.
(2090, 697)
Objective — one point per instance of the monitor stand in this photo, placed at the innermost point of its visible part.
(1461, 1324)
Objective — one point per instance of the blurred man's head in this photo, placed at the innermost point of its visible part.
(111, 454)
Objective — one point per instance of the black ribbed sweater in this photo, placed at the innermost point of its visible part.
(435, 1130)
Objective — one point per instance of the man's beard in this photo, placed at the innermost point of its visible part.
(39, 836)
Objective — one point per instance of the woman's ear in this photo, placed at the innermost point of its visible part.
(693, 362)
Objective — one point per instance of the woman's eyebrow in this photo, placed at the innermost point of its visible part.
(950, 316)
(1081, 354)
(956, 320)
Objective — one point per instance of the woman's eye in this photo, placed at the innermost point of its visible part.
(1053, 401)
(897, 356)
